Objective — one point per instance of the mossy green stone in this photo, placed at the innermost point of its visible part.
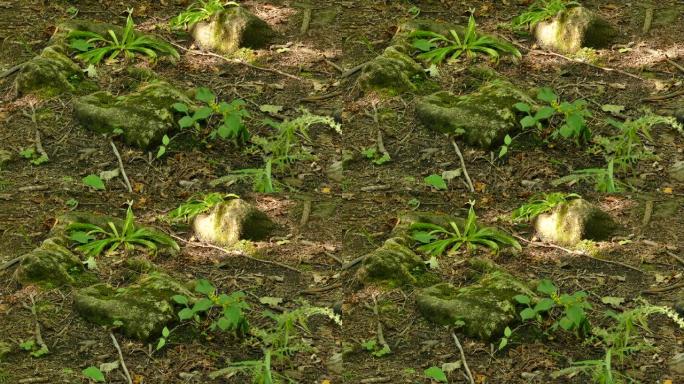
(573, 29)
(144, 116)
(571, 222)
(394, 263)
(231, 221)
(52, 265)
(393, 72)
(482, 310)
(232, 29)
(49, 74)
(143, 309)
(483, 118)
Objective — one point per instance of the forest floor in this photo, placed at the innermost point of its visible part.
(346, 218)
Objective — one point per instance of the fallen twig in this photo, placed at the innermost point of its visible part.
(236, 61)
(379, 333)
(463, 166)
(36, 332)
(306, 211)
(121, 167)
(579, 253)
(607, 69)
(374, 380)
(306, 20)
(681, 69)
(337, 67)
(352, 263)
(10, 263)
(12, 70)
(236, 253)
(648, 19)
(33, 188)
(353, 70)
(664, 97)
(678, 258)
(374, 188)
(654, 291)
(463, 359)
(33, 380)
(121, 359)
(39, 146)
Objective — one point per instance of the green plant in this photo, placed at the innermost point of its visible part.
(231, 125)
(536, 207)
(280, 150)
(31, 155)
(198, 204)
(94, 182)
(603, 178)
(436, 239)
(31, 346)
(371, 345)
(110, 239)
(94, 374)
(572, 308)
(571, 116)
(164, 145)
(436, 374)
(372, 154)
(539, 11)
(163, 339)
(230, 307)
(94, 47)
(199, 11)
(435, 47)
(435, 181)
(260, 371)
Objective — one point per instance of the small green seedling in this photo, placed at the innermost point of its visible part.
(199, 11)
(31, 155)
(435, 240)
(436, 48)
(572, 307)
(197, 205)
(231, 124)
(436, 181)
(94, 182)
(545, 203)
(436, 374)
(94, 374)
(94, 240)
(372, 154)
(541, 10)
(572, 115)
(372, 346)
(231, 308)
(94, 47)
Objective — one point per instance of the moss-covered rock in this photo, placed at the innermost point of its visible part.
(676, 171)
(143, 309)
(52, 265)
(393, 72)
(144, 116)
(481, 310)
(49, 74)
(573, 29)
(394, 263)
(483, 118)
(571, 222)
(232, 29)
(232, 221)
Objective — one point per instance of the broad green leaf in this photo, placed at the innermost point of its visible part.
(544, 113)
(80, 237)
(508, 140)
(94, 181)
(575, 314)
(80, 45)
(612, 108)
(528, 313)
(528, 121)
(205, 95)
(544, 305)
(613, 301)
(547, 94)
(436, 374)
(186, 122)
(522, 107)
(204, 286)
(181, 107)
(180, 299)
(422, 44)
(271, 301)
(186, 313)
(503, 151)
(165, 140)
(503, 343)
(522, 299)
(422, 237)
(436, 181)
(165, 332)
(161, 151)
(94, 374)
(547, 287)
(566, 323)
(508, 332)
(161, 343)
(202, 305)
(202, 113)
